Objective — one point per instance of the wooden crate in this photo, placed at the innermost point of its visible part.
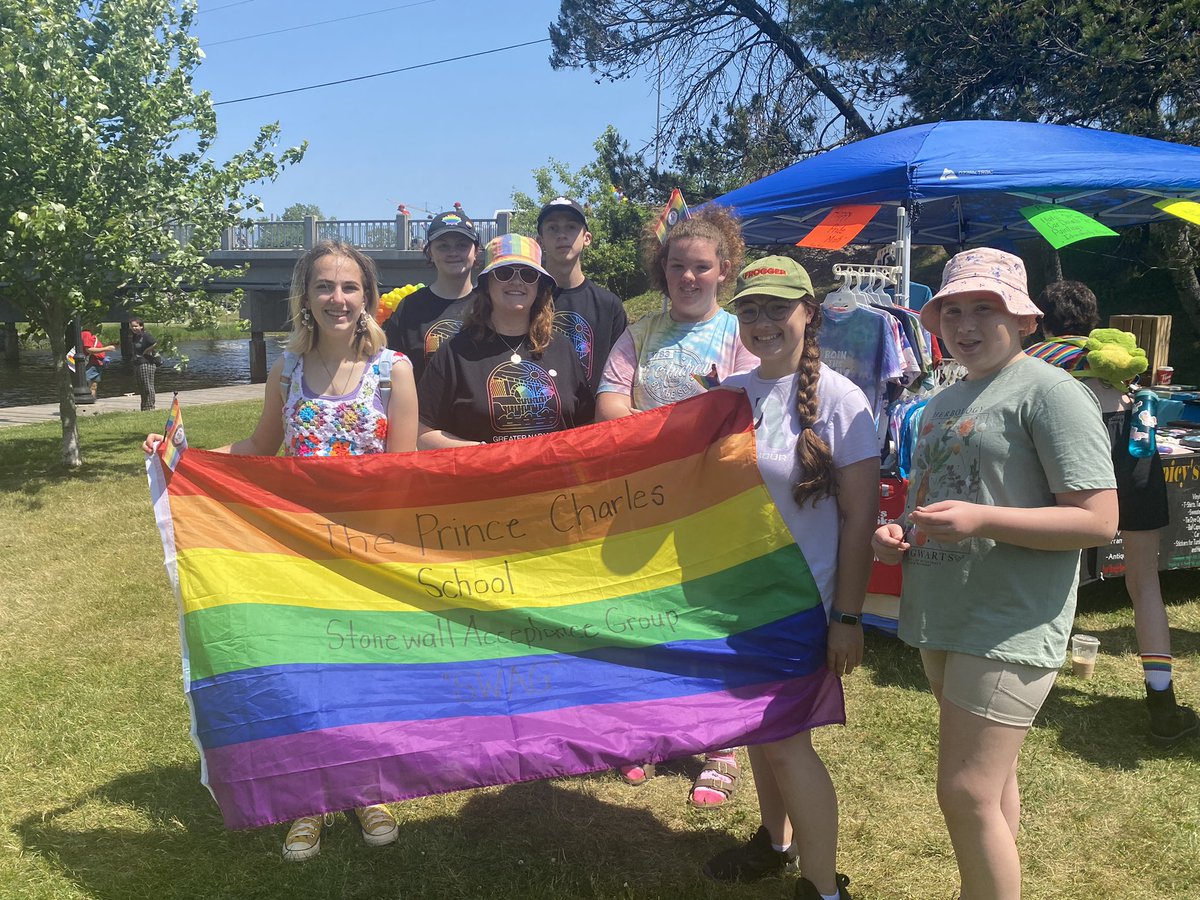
(1153, 335)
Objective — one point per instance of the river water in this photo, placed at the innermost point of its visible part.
(214, 363)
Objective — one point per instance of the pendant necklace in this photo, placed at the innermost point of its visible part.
(516, 354)
(332, 380)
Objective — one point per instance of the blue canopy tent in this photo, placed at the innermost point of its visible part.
(965, 182)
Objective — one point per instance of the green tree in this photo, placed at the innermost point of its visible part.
(709, 55)
(297, 211)
(1110, 64)
(615, 222)
(1128, 67)
(104, 152)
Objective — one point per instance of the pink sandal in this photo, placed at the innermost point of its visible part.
(715, 785)
(636, 775)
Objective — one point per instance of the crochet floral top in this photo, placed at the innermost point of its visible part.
(351, 425)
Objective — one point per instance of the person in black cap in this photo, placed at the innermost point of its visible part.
(430, 316)
(589, 316)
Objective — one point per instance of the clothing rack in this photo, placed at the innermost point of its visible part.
(890, 274)
(900, 250)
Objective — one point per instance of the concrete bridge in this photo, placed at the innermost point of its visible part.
(265, 254)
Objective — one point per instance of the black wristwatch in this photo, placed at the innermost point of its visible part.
(844, 618)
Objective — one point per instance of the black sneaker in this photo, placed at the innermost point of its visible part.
(755, 859)
(806, 890)
(1170, 722)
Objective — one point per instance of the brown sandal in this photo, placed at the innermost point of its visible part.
(712, 783)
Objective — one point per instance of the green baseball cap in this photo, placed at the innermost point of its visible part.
(774, 276)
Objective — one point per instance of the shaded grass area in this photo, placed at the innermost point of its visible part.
(100, 795)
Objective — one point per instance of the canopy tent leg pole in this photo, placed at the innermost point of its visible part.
(904, 243)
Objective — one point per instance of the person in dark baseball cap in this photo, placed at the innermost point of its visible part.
(591, 317)
(453, 222)
(433, 314)
(562, 204)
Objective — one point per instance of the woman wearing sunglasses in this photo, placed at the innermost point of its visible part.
(506, 375)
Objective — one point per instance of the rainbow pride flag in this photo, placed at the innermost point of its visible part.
(174, 440)
(373, 628)
(675, 211)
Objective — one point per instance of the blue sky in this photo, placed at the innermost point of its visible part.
(468, 131)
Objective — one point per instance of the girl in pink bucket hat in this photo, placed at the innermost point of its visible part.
(1011, 478)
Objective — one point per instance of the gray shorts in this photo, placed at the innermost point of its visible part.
(1004, 692)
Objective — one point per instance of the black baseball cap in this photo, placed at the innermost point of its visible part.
(561, 204)
(453, 222)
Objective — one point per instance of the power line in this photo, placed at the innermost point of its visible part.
(214, 9)
(436, 62)
(375, 12)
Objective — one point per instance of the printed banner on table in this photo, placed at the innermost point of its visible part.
(368, 629)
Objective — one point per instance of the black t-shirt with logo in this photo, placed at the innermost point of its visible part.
(473, 390)
(421, 324)
(592, 319)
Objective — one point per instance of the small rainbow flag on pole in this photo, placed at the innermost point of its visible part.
(673, 213)
(174, 440)
(365, 629)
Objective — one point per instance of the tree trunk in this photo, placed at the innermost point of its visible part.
(1182, 260)
(56, 328)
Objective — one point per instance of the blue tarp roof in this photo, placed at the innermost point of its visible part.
(968, 181)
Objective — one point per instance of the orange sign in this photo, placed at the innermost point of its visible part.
(839, 228)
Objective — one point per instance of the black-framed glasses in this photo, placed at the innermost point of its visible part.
(506, 273)
(776, 310)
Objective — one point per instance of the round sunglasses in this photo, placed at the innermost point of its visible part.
(748, 311)
(505, 274)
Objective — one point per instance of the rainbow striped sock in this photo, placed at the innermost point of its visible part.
(1157, 667)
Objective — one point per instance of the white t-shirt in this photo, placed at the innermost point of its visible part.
(845, 423)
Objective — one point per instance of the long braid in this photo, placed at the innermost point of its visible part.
(813, 455)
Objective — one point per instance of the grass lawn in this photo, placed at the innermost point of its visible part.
(100, 797)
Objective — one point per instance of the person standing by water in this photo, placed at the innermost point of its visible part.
(97, 358)
(337, 391)
(1071, 314)
(1011, 478)
(145, 360)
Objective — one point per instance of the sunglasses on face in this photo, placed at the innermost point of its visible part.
(776, 310)
(505, 274)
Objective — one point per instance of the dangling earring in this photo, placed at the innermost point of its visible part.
(361, 327)
(306, 319)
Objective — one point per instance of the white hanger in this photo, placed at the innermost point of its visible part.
(880, 296)
(842, 298)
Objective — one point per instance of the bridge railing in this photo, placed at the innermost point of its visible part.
(401, 233)
(183, 233)
(366, 234)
